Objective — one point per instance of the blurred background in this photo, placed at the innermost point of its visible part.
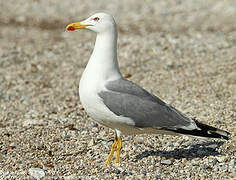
(136, 17)
(182, 51)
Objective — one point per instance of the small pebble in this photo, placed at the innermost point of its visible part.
(166, 162)
(127, 75)
(221, 159)
(91, 143)
(213, 146)
(233, 162)
(218, 122)
(214, 161)
(36, 173)
(73, 176)
(157, 176)
(30, 122)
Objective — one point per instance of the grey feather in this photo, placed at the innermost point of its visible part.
(128, 87)
(127, 99)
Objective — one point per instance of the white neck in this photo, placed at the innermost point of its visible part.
(103, 61)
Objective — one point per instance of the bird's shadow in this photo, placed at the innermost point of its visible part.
(190, 152)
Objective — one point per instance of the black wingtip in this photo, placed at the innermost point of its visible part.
(212, 132)
(220, 134)
(205, 131)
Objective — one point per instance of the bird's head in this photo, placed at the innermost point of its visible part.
(99, 22)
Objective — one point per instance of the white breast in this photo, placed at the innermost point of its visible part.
(95, 107)
(102, 67)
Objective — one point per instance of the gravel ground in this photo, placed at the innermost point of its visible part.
(182, 51)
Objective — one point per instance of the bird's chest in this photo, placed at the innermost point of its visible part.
(92, 103)
(88, 92)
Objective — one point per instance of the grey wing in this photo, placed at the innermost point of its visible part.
(125, 98)
(127, 87)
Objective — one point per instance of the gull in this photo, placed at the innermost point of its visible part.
(122, 105)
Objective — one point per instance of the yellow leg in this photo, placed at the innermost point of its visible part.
(118, 148)
(113, 148)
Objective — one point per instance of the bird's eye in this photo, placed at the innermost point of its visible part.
(96, 19)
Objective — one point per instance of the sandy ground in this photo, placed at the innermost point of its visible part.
(182, 51)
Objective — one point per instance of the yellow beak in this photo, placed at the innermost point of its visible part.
(76, 25)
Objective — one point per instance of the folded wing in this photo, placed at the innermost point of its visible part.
(127, 99)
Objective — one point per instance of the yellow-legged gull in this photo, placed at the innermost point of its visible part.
(120, 104)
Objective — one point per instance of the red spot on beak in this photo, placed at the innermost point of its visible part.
(71, 28)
